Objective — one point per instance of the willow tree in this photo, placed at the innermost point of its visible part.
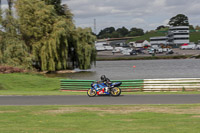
(51, 37)
(45, 33)
(13, 51)
(57, 5)
(85, 52)
(10, 4)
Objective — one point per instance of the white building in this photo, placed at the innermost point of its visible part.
(159, 40)
(176, 36)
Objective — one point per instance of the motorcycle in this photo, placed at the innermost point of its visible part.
(104, 88)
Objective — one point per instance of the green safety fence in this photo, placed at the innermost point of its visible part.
(82, 85)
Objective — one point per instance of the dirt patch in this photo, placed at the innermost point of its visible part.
(125, 110)
(9, 69)
(1, 112)
(127, 120)
(196, 116)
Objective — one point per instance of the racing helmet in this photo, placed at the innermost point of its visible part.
(103, 78)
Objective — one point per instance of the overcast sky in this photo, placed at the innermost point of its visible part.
(146, 14)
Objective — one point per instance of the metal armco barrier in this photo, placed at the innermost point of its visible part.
(173, 84)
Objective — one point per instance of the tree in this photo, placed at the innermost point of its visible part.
(13, 50)
(197, 27)
(84, 48)
(57, 5)
(179, 20)
(115, 34)
(160, 27)
(51, 38)
(191, 27)
(10, 3)
(136, 32)
(106, 33)
(123, 31)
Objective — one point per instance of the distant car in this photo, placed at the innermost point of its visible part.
(188, 46)
(119, 49)
(133, 52)
(165, 49)
(160, 50)
(140, 51)
(198, 47)
(170, 51)
(126, 51)
(151, 51)
(109, 48)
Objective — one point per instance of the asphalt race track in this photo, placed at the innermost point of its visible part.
(99, 100)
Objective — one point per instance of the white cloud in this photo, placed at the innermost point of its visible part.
(165, 22)
(138, 21)
(147, 14)
(159, 3)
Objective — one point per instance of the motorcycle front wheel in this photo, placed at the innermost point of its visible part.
(115, 91)
(91, 92)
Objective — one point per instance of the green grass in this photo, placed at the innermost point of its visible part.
(194, 37)
(27, 84)
(143, 57)
(148, 35)
(33, 84)
(98, 119)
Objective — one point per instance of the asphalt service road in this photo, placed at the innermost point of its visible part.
(100, 100)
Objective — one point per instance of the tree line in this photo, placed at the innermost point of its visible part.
(111, 32)
(43, 36)
(178, 20)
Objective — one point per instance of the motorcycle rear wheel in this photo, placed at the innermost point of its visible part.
(91, 92)
(115, 91)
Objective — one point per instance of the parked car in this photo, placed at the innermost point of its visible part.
(151, 51)
(198, 47)
(109, 48)
(133, 52)
(170, 51)
(160, 50)
(126, 51)
(188, 46)
(119, 49)
(140, 51)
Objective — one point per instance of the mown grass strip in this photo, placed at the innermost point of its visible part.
(98, 119)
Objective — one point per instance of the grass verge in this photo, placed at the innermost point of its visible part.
(27, 84)
(98, 119)
(33, 84)
(143, 57)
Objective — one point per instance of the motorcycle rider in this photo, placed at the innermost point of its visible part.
(106, 81)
